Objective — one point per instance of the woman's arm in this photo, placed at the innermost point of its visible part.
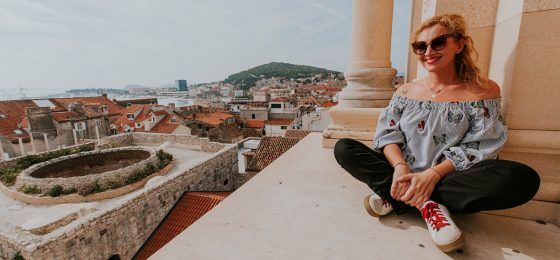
(394, 155)
(422, 184)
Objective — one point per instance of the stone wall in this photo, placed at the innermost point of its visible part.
(69, 183)
(123, 229)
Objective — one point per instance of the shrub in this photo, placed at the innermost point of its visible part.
(55, 191)
(30, 189)
(18, 256)
(86, 148)
(162, 155)
(86, 189)
(8, 176)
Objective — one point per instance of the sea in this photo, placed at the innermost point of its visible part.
(39, 93)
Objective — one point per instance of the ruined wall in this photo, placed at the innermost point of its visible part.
(123, 229)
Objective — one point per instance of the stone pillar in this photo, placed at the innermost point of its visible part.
(97, 134)
(33, 149)
(1, 152)
(370, 75)
(74, 133)
(46, 138)
(22, 150)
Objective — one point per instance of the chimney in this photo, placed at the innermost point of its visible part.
(171, 106)
(76, 107)
(104, 95)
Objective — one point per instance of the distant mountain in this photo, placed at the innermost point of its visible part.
(247, 78)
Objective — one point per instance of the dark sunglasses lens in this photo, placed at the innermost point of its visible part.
(439, 43)
(419, 47)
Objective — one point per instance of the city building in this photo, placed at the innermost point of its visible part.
(181, 85)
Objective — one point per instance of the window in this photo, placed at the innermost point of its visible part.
(253, 116)
(284, 127)
(128, 104)
(275, 105)
(153, 118)
(18, 132)
(199, 126)
(130, 116)
(207, 129)
(138, 125)
(173, 120)
(98, 122)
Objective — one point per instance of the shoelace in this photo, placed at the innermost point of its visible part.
(385, 203)
(433, 216)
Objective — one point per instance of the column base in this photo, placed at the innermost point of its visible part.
(355, 123)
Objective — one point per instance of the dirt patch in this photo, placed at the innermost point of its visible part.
(91, 164)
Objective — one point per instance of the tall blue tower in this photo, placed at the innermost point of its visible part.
(181, 84)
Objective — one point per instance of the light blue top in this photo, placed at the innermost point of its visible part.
(428, 132)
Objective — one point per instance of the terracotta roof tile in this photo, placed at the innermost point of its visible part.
(212, 118)
(90, 105)
(269, 149)
(188, 209)
(12, 113)
(255, 123)
(296, 133)
(329, 104)
(280, 99)
(279, 121)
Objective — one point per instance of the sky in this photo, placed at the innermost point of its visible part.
(64, 44)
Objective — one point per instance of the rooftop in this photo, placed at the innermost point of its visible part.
(190, 207)
(307, 207)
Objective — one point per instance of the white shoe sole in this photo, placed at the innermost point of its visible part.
(460, 242)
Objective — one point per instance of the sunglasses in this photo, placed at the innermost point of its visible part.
(437, 44)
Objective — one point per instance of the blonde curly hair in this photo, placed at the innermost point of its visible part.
(465, 65)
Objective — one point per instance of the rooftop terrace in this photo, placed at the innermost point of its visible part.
(307, 207)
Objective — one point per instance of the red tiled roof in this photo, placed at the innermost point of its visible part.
(296, 133)
(190, 207)
(255, 123)
(279, 121)
(89, 105)
(65, 116)
(212, 118)
(165, 128)
(269, 149)
(329, 104)
(160, 112)
(12, 113)
(280, 99)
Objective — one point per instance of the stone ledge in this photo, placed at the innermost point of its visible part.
(75, 198)
(307, 207)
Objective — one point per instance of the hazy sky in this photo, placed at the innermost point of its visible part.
(111, 43)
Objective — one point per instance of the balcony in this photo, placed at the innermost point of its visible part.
(304, 206)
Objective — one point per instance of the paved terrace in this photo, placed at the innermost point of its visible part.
(26, 216)
(304, 206)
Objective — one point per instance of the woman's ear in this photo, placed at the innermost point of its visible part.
(460, 45)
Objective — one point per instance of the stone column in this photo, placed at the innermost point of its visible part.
(74, 133)
(97, 134)
(370, 75)
(46, 138)
(22, 150)
(32, 141)
(1, 152)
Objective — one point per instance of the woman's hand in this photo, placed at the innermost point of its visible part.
(420, 189)
(399, 188)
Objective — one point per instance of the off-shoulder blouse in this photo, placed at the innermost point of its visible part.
(428, 132)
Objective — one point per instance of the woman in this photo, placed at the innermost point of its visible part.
(436, 143)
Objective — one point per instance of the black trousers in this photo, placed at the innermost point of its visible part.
(487, 185)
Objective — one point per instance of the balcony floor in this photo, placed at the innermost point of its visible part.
(304, 206)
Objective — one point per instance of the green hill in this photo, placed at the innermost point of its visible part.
(247, 78)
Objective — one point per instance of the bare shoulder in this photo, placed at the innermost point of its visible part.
(404, 89)
(492, 89)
